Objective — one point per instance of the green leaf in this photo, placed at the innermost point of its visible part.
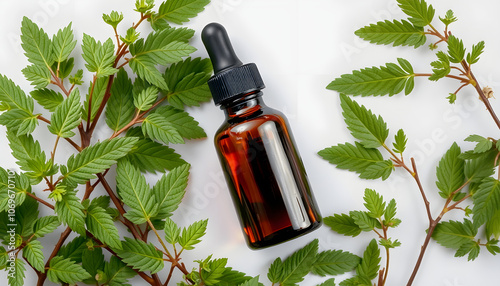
(452, 97)
(370, 262)
(19, 121)
(180, 11)
(66, 116)
(47, 98)
(213, 271)
(98, 92)
(276, 271)
(158, 127)
(492, 246)
(453, 234)
(64, 270)
(390, 213)
(185, 124)
(486, 200)
(162, 38)
(356, 281)
(36, 44)
(377, 170)
(63, 43)
(114, 18)
(374, 203)
(16, 277)
(493, 226)
(252, 282)
(477, 50)
(70, 211)
(450, 171)
(145, 69)
(92, 262)
(141, 256)
(364, 221)
(441, 68)
(4, 256)
(102, 201)
(101, 225)
(420, 13)
(32, 251)
(65, 67)
(329, 282)
(122, 102)
(46, 225)
(21, 187)
(12, 95)
(397, 33)
(97, 158)
(400, 142)
(342, 224)
(99, 57)
(135, 192)
(384, 80)
(191, 236)
(472, 248)
(480, 167)
(170, 190)
(483, 144)
(39, 76)
(448, 18)
(30, 157)
(74, 249)
(151, 156)
(299, 264)
(145, 99)
(117, 272)
(233, 277)
(131, 36)
(354, 158)
(388, 243)
(456, 49)
(163, 54)
(187, 81)
(172, 231)
(334, 262)
(363, 124)
(76, 79)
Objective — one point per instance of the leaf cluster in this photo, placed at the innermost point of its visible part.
(149, 110)
(293, 269)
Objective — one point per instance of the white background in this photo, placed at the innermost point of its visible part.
(299, 47)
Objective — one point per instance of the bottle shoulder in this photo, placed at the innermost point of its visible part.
(238, 126)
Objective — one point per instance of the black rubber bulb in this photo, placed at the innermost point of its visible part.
(219, 48)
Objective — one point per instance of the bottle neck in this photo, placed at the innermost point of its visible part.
(243, 106)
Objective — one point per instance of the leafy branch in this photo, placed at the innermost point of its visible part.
(461, 176)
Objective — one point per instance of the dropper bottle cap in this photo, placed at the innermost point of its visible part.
(232, 79)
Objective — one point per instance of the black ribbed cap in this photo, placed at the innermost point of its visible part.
(231, 78)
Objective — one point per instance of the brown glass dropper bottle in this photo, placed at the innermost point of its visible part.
(257, 152)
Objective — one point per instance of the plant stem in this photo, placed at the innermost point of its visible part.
(160, 240)
(64, 236)
(119, 206)
(462, 79)
(430, 231)
(40, 200)
(52, 156)
(422, 192)
(485, 100)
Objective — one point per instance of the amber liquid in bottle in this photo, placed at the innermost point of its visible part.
(264, 172)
